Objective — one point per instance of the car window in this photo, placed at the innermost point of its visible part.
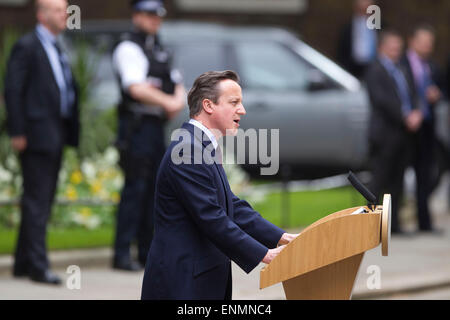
(192, 59)
(270, 65)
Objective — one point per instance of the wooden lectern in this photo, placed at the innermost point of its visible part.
(323, 261)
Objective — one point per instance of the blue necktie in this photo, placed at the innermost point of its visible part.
(402, 87)
(67, 95)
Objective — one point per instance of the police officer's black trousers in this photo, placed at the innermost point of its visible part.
(135, 218)
(139, 161)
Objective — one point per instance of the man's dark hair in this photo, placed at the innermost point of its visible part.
(387, 34)
(205, 87)
(421, 27)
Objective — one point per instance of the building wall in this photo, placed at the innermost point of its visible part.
(319, 25)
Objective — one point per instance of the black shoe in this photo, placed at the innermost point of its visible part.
(397, 231)
(47, 277)
(401, 233)
(20, 273)
(432, 231)
(127, 265)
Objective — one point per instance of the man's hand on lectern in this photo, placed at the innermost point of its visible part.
(287, 237)
(272, 253)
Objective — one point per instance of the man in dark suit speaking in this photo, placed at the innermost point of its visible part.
(199, 223)
(42, 116)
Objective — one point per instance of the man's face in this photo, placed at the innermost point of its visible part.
(423, 43)
(147, 22)
(229, 108)
(360, 6)
(53, 15)
(392, 47)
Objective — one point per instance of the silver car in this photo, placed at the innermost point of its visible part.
(321, 111)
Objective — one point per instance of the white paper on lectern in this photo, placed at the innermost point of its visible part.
(358, 211)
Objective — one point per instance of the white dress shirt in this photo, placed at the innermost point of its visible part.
(364, 40)
(208, 132)
(47, 40)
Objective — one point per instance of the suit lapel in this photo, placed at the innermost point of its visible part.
(198, 134)
(393, 84)
(226, 185)
(43, 57)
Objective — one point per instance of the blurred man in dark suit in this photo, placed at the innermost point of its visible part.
(357, 46)
(447, 78)
(447, 88)
(199, 223)
(422, 76)
(42, 117)
(394, 117)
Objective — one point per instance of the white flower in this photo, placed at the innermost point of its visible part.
(5, 176)
(89, 221)
(11, 163)
(117, 182)
(89, 170)
(111, 156)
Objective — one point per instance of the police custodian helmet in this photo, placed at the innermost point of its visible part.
(150, 6)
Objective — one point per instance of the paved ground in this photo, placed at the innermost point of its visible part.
(418, 267)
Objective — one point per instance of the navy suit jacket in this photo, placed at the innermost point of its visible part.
(387, 125)
(33, 100)
(199, 226)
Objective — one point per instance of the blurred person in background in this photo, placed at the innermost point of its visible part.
(394, 118)
(42, 117)
(152, 92)
(357, 46)
(447, 80)
(422, 76)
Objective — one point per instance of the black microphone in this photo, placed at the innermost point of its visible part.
(362, 189)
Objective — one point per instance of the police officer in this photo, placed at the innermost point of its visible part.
(151, 92)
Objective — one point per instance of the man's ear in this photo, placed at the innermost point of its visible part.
(207, 106)
(40, 17)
